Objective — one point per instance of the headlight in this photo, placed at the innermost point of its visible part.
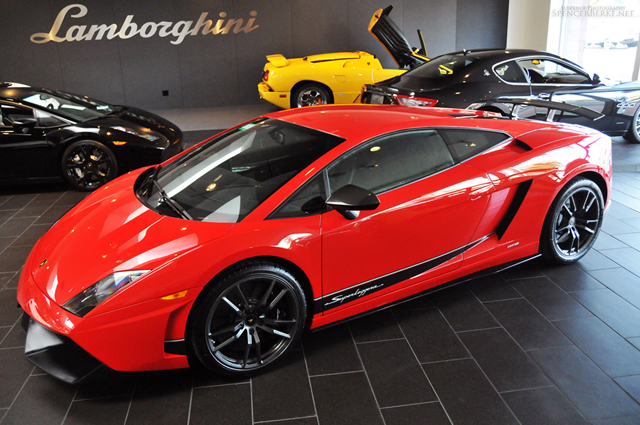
(88, 299)
(150, 135)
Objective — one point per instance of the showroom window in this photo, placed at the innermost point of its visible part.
(602, 36)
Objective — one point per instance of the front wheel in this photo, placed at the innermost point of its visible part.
(88, 164)
(248, 320)
(573, 222)
(633, 134)
(310, 95)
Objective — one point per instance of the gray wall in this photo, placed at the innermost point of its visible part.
(218, 70)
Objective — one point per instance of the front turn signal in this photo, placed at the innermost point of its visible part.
(175, 296)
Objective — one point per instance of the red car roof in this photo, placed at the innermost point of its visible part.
(363, 121)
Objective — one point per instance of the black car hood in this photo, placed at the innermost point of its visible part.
(138, 118)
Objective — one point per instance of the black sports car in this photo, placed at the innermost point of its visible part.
(473, 79)
(51, 134)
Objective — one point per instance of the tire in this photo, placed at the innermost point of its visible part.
(245, 322)
(573, 222)
(310, 95)
(87, 165)
(633, 134)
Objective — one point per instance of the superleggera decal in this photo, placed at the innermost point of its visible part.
(360, 290)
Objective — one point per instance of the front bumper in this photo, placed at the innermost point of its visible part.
(280, 99)
(144, 336)
(56, 354)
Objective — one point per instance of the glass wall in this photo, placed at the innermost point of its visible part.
(601, 35)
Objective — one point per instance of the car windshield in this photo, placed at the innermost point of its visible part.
(226, 178)
(71, 106)
(443, 67)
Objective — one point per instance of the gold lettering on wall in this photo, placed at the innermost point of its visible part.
(179, 30)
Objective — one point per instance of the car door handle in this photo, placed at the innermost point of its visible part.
(544, 95)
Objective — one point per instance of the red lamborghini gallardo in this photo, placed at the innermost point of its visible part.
(226, 253)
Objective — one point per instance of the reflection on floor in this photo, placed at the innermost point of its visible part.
(532, 345)
(213, 118)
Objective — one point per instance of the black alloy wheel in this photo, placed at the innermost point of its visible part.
(573, 222)
(248, 320)
(88, 164)
(633, 134)
(310, 95)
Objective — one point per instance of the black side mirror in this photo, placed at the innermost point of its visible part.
(25, 125)
(350, 199)
(596, 79)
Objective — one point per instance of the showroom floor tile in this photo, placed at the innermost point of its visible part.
(536, 344)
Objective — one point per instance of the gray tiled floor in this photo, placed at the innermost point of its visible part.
(533, 345)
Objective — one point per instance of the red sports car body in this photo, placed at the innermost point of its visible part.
(299, 219)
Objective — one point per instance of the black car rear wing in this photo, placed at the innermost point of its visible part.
(389, 35)
(551, 107)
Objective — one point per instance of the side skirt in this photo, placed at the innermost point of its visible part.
(481, 273)
(347, 295)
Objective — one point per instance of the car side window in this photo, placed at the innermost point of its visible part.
(308, 200)
(510, 72)
(391, 161)
(546, 71)
(11, 113)
(465, 143)
(45, 119)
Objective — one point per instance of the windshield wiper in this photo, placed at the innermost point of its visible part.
(168, 201)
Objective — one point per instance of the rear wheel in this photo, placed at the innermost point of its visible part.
(573, 222)
(633, 134)
(310, 95)
(248, 320)
(88, 164)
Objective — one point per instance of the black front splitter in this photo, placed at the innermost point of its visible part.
(57, 354)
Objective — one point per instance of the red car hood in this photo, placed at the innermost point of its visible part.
(111, 231)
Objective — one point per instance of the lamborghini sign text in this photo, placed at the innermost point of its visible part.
(176, 30)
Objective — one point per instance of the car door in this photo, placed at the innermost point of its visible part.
(429, 208)
(24, 150)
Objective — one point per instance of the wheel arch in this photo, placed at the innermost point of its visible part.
(290, 266)
(299, 274)
(194, 320)
(597, 179)
(299, 84)
(590, 176)
(64, 144)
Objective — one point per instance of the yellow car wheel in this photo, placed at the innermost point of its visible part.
(311, 94)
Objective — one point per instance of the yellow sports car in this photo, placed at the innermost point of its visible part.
(337, 77)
